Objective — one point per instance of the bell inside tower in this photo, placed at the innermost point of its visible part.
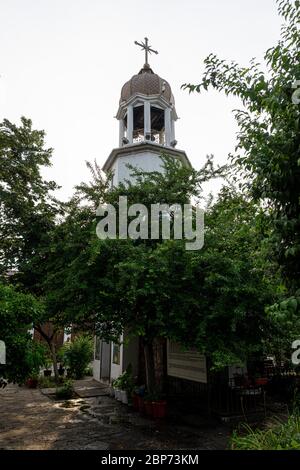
(147, 124)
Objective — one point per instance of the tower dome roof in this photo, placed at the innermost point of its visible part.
(147, 83)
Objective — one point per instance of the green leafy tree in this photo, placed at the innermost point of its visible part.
(213, 299)
(268, 145)
(267, 156)
(27, 209)
(86, 282)
(233, 279)
(28, 216)
(24, 356)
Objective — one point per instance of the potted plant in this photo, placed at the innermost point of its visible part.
(61, 370)
(32, 381)
(138, 399)
(123, 386)
(261, 381)
(127, 384)
(116, 388)
(61, 360)
(159, 406)
(47, 365)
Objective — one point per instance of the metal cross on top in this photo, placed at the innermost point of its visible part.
(146, 48)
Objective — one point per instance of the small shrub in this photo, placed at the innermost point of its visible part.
(47, 382)
(77, 355)
(35, 357)
(89, 372)
(125, 381)
(47, 364)
(281, 436)
(66, 391)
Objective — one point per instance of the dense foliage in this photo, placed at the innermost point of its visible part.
(27, 209)
(267, 156)
(268, 149)
(212, 299)
(279, 436)
(24, 356)
(77, 355)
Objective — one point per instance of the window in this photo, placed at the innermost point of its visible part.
(138, 123)
(116, 353)
(157, 125)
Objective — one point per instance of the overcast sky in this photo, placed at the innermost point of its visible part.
(63, 63)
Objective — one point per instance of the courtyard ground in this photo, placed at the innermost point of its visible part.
(31, 420)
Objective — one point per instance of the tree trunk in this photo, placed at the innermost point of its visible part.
(160, 364)
(54, 360)
(149, 366)
(51, 345)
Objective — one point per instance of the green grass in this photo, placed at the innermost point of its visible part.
(280, 436)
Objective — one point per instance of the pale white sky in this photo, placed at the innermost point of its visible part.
(63, 63)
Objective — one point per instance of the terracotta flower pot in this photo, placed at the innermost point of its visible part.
(32, 383)
(148, 408)
(261, 381)
(159, 409)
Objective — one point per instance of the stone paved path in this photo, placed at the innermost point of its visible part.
(30, 420)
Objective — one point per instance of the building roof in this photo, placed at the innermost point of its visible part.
(148, 83)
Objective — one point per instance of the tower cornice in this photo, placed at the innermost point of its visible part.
(141, 147)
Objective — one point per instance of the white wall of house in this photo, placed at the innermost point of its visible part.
(129, 354)
(96, 369)
(97, 358)
(67, 337)
(116, 367)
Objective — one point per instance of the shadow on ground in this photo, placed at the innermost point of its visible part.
(31, 420)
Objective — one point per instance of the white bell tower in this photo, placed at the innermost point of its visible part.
(146, 118)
